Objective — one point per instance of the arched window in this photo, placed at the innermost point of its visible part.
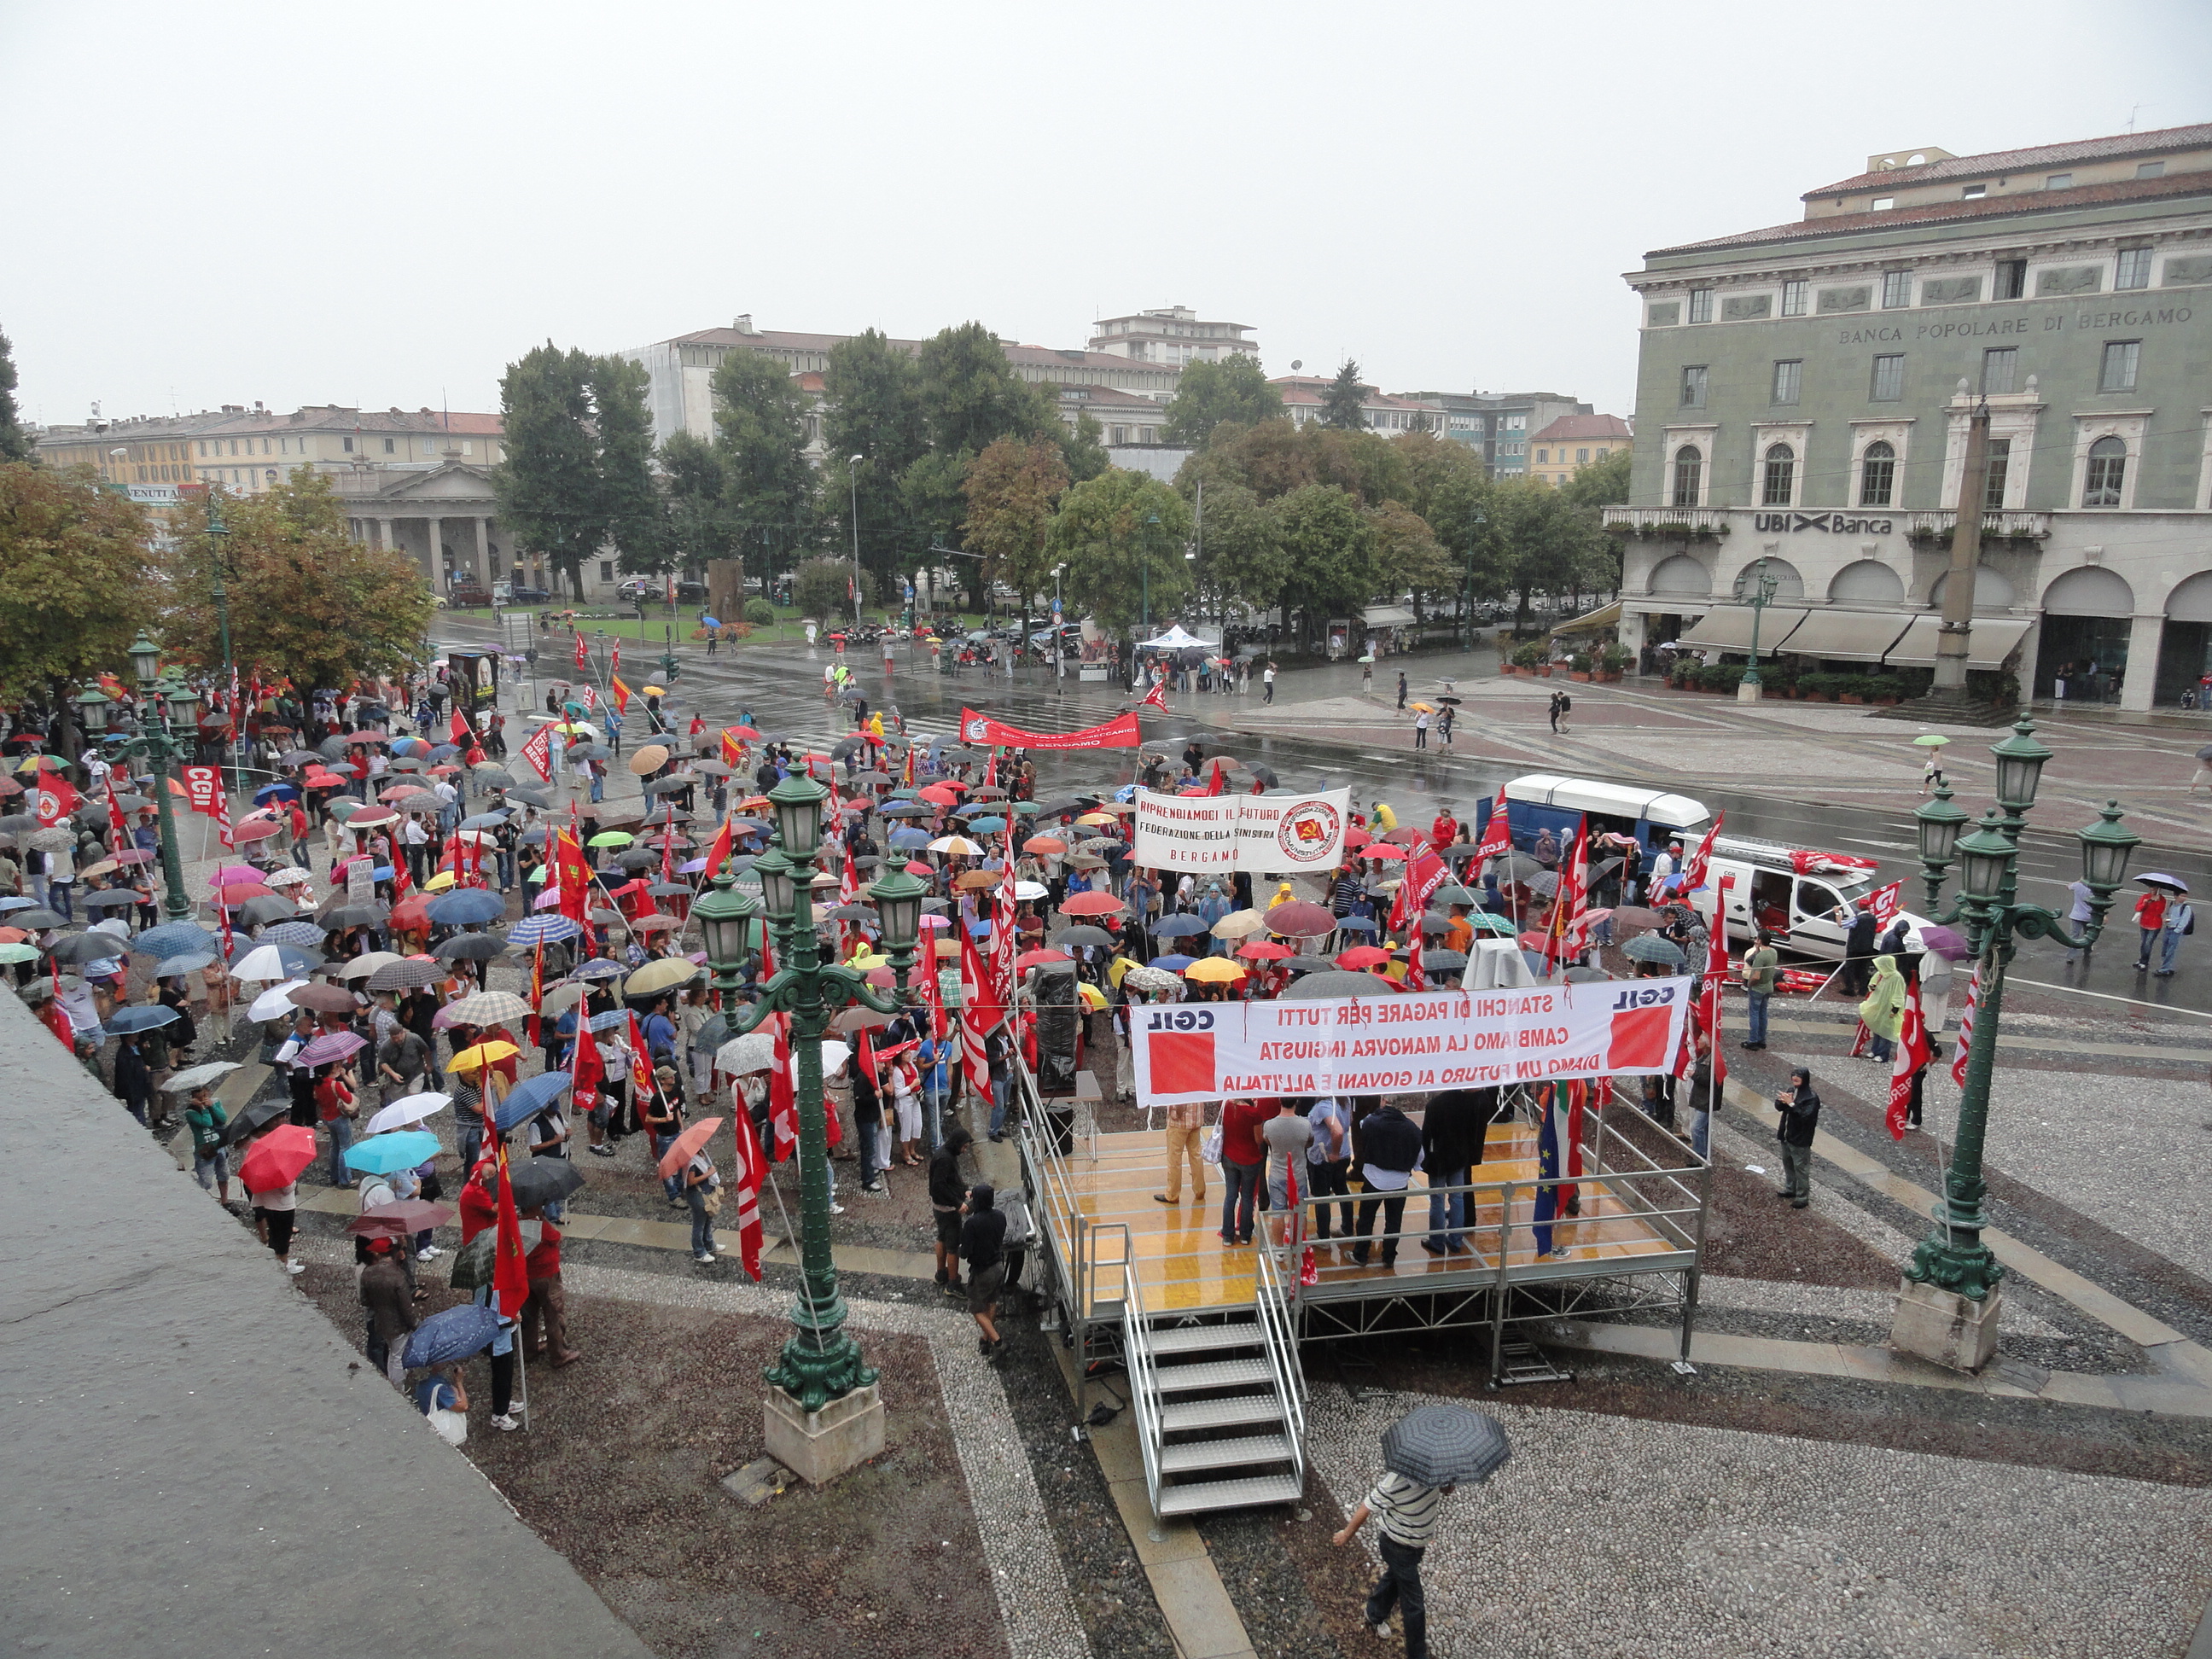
(1780, 477)
(1688, 465)
(1877, 475)
(2108, 469)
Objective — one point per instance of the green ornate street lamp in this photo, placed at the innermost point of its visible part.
(218, 535)
(821, 1363)
(1953, 1258)
(1763, 590)
(156, 743)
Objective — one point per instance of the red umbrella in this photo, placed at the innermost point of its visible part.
(254, 829)
(1408, 836)
(745, 732)
(1044, 844)
(688, 1144)
(920, 870)
(940, 794)
(278, 1159)
(1093, 904)
(412, 913)
(1357, 838)
(237, 892)
(1382, 849)
(1298, 920)
(1030, 959)
(1264, 950)
(1362, 956)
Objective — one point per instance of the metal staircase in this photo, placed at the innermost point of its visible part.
(1219, 1404)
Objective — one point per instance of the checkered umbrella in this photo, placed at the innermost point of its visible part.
(1444, 1445)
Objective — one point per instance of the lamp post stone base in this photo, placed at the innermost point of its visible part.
(1952, 1330)
(819, 1446)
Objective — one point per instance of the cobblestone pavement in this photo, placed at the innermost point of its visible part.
(1607, 1536)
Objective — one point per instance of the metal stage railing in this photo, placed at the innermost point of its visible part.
(1137, 1357)
(1279, 1335)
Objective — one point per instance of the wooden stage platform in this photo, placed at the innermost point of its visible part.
(1183, 1266)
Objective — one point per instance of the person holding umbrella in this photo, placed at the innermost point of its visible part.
(1425, 1455)
(2151, 911)
(203, 1116)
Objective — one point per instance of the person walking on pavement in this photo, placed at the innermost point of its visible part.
(982, 1246)
(204, 1118)
(1401, 694)
(2179, 920)
(1559, 706)
(1762, 967)
(1409, 1511)
(386, 1293)
(1882, 1010)
(1800, 1106)
(2151, 917)
(1267, 684)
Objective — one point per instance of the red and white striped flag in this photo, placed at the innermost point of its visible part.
(979, 1013)
(1694, 870)
(1967, 1028)
(751, 1166)
(1884, 901)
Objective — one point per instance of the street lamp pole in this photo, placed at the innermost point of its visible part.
(1474, 522)
(821, 1364)
(1763, 589)
(157, 744)
(1947, 1305)
(218, 537)
(852, 477)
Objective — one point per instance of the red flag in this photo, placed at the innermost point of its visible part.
(403, 879)
(730, 749)
(719, 852)
(538, 752)
(587, 1067)
(619, 692)
(978, 1014)
(57, 799)
(1967, 1028)
(1884, 901)
(783, 1093)
(1424, 873)
(1156, 697)
(1415, 979)
(644, 1084)
(583, 651)
(459, 731)
(906, 781)
(991, 772)
(116, 821)
(536, 993)
(510, 1269)
(574, 874)
(751, 1166)
(1213, 784)
(1693, 868)
(849, 892)
(1004, 939)
(55, 1018)
(1568, 923)
(1912, 1054)
(614, 656)
(1497, 836)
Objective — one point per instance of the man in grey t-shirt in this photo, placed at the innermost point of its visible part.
(1287, 1135)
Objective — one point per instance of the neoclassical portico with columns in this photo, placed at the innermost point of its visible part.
(445, 518)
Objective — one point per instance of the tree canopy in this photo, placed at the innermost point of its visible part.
(1329, 548)
(15, 443)
(306, 601)
(1112, 530)
(1013, 488)
(76, 577)
(548, 488)
(1340, 403)
(760, 436)
(1235, 389)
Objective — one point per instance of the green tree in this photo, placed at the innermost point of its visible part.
(1602, 484)
(1340, 403)
(629, 497)
(15, 443)
(760, 433)
(699, 524)
(822, 588)
(933, 510)
(1013, 488)
(1542, 543)
(1434, 469)
(306, 601)
(1329, 548)
(872, 394)
(1112, 530)
(1082, 447)
(548, 486)
(1240, 548)
(970, 393)
(76, 582)
(1235, 389)
(1407, 556)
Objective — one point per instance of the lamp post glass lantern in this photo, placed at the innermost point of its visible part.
(1763, 590)
(156, 743)
(726, 918)
(1958, 1328)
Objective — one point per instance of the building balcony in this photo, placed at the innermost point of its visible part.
(2027, 526)
(1668, 520)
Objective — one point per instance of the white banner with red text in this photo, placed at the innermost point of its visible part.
(1192, 1052)
(1242, 832)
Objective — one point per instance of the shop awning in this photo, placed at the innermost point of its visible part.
(1386, 616)
(1728, 628)
(1848, 635)
(1604, 620)
(1987, 646)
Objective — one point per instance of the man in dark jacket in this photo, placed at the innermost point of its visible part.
(947, 1192)
(1800, 1106)
(1453, 1129)
(1858, 953)
(1390, 1150)
(982, 1245)
(384, 1292)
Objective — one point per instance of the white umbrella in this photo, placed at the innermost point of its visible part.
(562, 998)
(275, 1003)
(955, 844)
(368, 963)
(401, 1113)
(291, 878)
(261, 963)
(753, 1052)
(192, 1077)
(491, 1008)
(1030, 890)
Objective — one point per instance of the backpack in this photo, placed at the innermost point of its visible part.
(1015, 1207)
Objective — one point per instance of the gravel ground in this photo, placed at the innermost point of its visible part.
(1606, 1536)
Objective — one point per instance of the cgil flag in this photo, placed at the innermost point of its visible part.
(1912, 1054)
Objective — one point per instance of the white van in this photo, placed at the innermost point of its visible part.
(1541, 800)
(1806, 910)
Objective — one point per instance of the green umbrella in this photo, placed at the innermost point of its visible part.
(612, 838)
(473, 1261)
(1929, 740)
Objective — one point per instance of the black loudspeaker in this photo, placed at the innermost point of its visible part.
(1056, 1014)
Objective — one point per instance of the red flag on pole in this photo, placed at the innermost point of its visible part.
(587, 1067)
(583, 651)
(978, 1014)
(1156, 697)
(57, 799)
(1693, 871)
(719, 854)
(510, 1270)
(1497, 837)
(1213, 784)
(1967, 1028)
(751, 1166)
(1912, 1054)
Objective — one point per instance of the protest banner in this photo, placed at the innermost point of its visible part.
(1242, 832)
(1118, 733)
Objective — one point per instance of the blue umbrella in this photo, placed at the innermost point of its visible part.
(467, 906)
(172, 939)
(7, 904)
(444, 751)
(610, 1021)
(1179, 927)
(304, 934)
(987, 825)
(907, 840)
(710, 621)
(599, 968)
(454, 1334)
(483, 821)
(401, 1150)
(1173, 964)
(269, 792)
(1356, 924)
(190, 963)
(544, 930)
(126, 1021)
(525, 1100)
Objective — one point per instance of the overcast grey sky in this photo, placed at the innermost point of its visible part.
(384, 204)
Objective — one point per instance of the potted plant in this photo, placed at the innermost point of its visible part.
(1529, 657)
(1578, 667)
(1612, 661)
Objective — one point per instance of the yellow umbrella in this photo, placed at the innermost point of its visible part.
(483, 1054)
(654, 691)
(573, 726)
(1208, 969)
(1423, 708)
(1097, 818)
(439, 883)
(1093, 998)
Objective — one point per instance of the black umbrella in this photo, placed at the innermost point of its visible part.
(268, 907)
(353, 915)
(88, 947)
(470, 947)
(494, 777)
(538, 798)
(1443, 962)
(1098, 938)
(255, 1118)
(33, 920)
(474, 1261)
(543, 1180)
(1444, 1445)
(1336, 983)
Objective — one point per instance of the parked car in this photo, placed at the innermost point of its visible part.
(469, 596)
(526, 595)
(1071, 637)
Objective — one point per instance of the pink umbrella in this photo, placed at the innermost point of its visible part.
(236, 872)
(249, 830)
(331, 1045)
(546, 900)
